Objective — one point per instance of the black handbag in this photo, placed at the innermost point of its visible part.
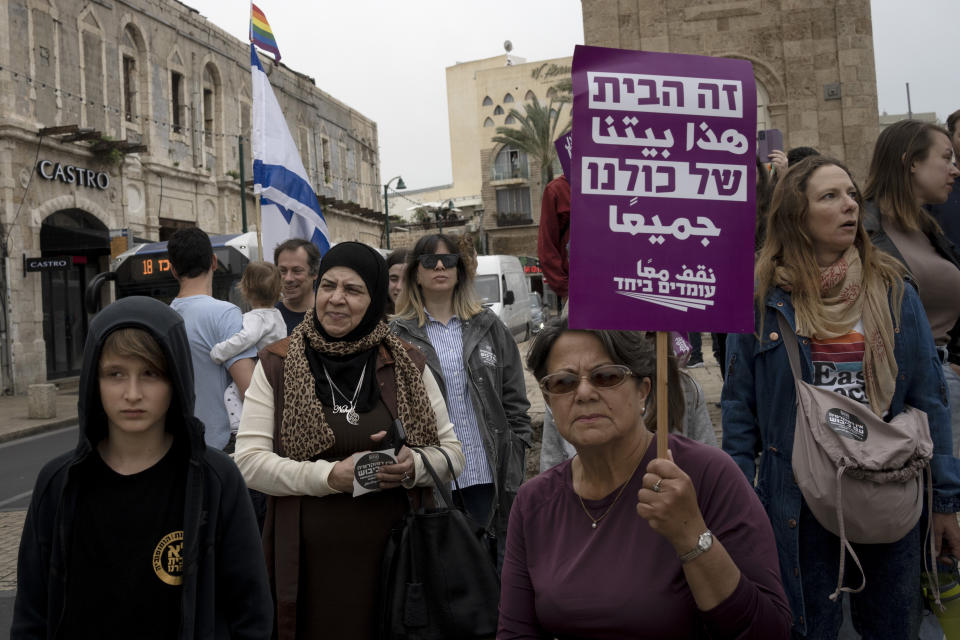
(438, 581)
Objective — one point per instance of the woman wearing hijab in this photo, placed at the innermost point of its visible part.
(328, 391)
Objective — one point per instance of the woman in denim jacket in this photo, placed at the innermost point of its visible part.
(863, 334)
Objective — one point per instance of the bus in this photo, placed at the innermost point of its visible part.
(144, 270)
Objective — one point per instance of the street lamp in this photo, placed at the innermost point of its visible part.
(386, 203)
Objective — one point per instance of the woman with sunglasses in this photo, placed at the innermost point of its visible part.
(477, 364)
(615, 543)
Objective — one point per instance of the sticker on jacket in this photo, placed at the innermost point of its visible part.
(846, 424)
(167, 558)
(487, 356)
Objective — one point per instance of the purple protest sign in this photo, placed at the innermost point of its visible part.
(564, 147)
(662, 181)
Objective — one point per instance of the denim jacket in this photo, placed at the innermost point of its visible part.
(759, 414)
(499, 395)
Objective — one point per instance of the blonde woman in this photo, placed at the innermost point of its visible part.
(861, 333)
(477, 364)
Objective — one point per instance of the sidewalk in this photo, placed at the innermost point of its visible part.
(15, 422)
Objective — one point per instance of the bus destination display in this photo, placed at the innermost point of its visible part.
(153, 267)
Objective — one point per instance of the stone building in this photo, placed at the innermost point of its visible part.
(497, 189)
(140, 104)
(813, 59)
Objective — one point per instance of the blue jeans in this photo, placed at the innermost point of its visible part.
(888, 608)
(953, 393)
(696, 347)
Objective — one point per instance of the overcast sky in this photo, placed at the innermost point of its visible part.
(387, 59)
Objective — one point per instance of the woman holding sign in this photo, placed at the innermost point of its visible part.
(862, 334)
(615, 543)
(330, 391)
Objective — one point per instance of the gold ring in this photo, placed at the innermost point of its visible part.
(656, 487)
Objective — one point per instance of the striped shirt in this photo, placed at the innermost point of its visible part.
(838, 364)
(447, 341)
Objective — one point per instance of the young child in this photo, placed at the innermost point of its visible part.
(263, 325)
(142, 531)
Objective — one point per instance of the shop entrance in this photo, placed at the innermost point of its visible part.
(80, 235)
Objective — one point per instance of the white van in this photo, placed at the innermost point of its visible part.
(502, 286)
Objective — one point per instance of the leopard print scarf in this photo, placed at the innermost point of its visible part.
(304, 432)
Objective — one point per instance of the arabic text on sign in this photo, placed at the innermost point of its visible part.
(665, 94)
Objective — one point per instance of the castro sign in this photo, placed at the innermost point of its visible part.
(70, 174)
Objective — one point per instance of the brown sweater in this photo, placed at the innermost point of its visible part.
(938, 281)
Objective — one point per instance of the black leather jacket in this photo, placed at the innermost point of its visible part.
(499, 396)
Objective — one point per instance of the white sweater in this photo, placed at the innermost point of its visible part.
(261, 327)
(275, 475)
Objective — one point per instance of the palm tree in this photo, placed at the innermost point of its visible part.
(539, 127)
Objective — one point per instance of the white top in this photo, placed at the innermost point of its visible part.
(276, 475)
(261, 327)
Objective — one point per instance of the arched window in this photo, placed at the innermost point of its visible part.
(510, 163)
(498, 111)
(178, 93)
(488, 122)
(507, 98)
(510, 120)
(211, 104)
(92, 78)
(530, 97)
(133, 77)
(551, 92)
(763, 113)
(487, 101)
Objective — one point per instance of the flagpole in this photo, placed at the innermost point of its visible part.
(259, 235)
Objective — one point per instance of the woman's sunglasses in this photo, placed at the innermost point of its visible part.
(429, 260)
(607, 376)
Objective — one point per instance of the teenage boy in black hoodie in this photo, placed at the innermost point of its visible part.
(142, 531)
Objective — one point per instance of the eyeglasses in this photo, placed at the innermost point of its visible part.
(429, 260)
(607, 376)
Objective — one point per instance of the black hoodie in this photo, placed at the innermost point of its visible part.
(225, 590)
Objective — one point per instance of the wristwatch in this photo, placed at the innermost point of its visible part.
(704, 542)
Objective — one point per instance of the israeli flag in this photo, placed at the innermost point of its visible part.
(288, 204)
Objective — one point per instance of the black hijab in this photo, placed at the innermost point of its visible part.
(345, 370)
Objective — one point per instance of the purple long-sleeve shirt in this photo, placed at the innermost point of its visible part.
(563, 579)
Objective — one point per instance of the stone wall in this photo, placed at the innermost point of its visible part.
(798, 48)
(153, 72)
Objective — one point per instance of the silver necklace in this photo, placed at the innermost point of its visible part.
(351, 408)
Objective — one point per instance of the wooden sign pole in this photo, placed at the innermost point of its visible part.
(663, 422)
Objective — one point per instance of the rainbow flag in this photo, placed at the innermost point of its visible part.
(260, 33)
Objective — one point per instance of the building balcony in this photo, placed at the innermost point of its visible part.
(513, 219)
(512, 173)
